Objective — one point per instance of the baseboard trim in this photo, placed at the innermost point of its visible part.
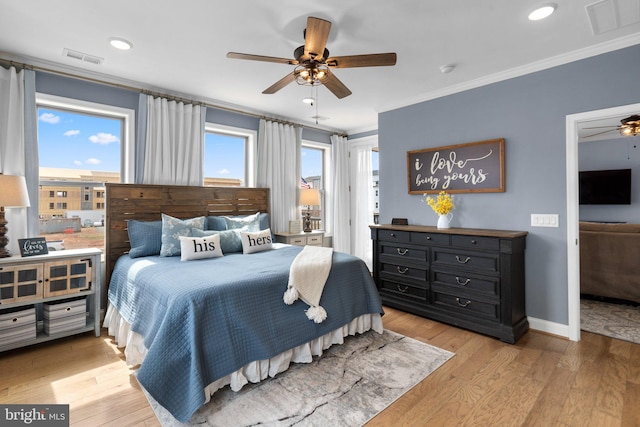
(548, 327)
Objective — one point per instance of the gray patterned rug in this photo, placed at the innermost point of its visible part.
(347, 386)
(612, 320)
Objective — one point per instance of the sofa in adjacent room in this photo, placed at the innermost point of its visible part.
(610, 260)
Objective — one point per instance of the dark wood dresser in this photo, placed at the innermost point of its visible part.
(469, 278)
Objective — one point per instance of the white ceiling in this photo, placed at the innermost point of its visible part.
(179, 48)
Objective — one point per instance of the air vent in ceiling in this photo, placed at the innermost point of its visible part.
(608, 15)
(82, 56)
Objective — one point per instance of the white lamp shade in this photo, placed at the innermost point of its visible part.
(310, 197)
(13, 192)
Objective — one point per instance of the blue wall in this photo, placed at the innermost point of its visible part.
(621, 153)
(529, 112)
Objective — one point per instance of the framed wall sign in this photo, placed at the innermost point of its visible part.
(33, 246)
(463, 168)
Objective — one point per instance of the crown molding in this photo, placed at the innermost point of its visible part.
(576, 55)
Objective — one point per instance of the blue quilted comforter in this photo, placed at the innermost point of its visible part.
(202, 320)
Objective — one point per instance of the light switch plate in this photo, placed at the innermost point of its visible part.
(544, 220)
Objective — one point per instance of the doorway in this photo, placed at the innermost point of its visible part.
(573, 243)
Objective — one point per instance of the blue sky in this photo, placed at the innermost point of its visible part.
(79, 141)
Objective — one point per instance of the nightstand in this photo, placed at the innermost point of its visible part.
(313, 238)
(50, 296)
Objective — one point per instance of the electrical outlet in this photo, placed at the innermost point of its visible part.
(544, 220)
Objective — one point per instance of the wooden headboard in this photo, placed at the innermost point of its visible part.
(146, 202)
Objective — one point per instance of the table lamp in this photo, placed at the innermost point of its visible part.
(309, 197)
(13, 194)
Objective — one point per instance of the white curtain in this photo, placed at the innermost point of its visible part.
(341, 195)
(174, 143)
(12, 146)
(278, 168)
(361, 202)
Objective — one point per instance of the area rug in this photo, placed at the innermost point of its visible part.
(347, 386)
(612, 320)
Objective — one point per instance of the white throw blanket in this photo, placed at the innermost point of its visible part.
(307, 276)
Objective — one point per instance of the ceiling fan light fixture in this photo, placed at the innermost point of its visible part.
(542, 11)
(310, 75)
(308, 100)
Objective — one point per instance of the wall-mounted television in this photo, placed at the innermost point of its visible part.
(605, 187)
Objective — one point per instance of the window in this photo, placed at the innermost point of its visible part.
(229, 156)
(81, 145)
(315, 161)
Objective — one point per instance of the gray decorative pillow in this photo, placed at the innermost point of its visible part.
(230, 241)
(245, 223)
(173, 228)
(216, 223)
(145, 237)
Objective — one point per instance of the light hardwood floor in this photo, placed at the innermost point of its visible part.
(542, 380)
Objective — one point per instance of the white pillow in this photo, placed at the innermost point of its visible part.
(200, 247)
(256, 242)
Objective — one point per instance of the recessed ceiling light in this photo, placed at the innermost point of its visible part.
(121, 44)
(543, 11)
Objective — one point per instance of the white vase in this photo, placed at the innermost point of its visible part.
(444, 220)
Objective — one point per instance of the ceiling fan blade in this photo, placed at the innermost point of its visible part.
(599, 133)
(315, 38)
(279, 84)
(335, 85)
(604, 127)
(352, 61)
(236, 55)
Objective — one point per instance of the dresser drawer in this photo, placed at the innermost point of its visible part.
(402, 254)
(467, 260)
(405, 290)
(430, 239)
(486, 285)
(476, 242)
(467, 306)
(314, 240)
(403, 272)
(394, 236)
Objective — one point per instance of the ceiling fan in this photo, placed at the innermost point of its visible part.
(629, 126)
(313, 62)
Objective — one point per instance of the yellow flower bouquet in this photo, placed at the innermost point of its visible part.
(442, 205)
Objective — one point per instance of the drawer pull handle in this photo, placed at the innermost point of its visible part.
(402, 251)
(14, 320)
(402, 271)
(393, 234)
(402, 289)
(461, 283)
(462, 261)
(463, 304)
(473, 242)
(68, 309)
(428, 237)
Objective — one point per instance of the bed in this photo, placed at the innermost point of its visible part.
(194, 327)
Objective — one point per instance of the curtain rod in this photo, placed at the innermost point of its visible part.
(158, 94)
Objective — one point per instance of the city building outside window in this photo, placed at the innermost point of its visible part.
(81, 146)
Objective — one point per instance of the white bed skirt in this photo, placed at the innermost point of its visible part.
(254, 372)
